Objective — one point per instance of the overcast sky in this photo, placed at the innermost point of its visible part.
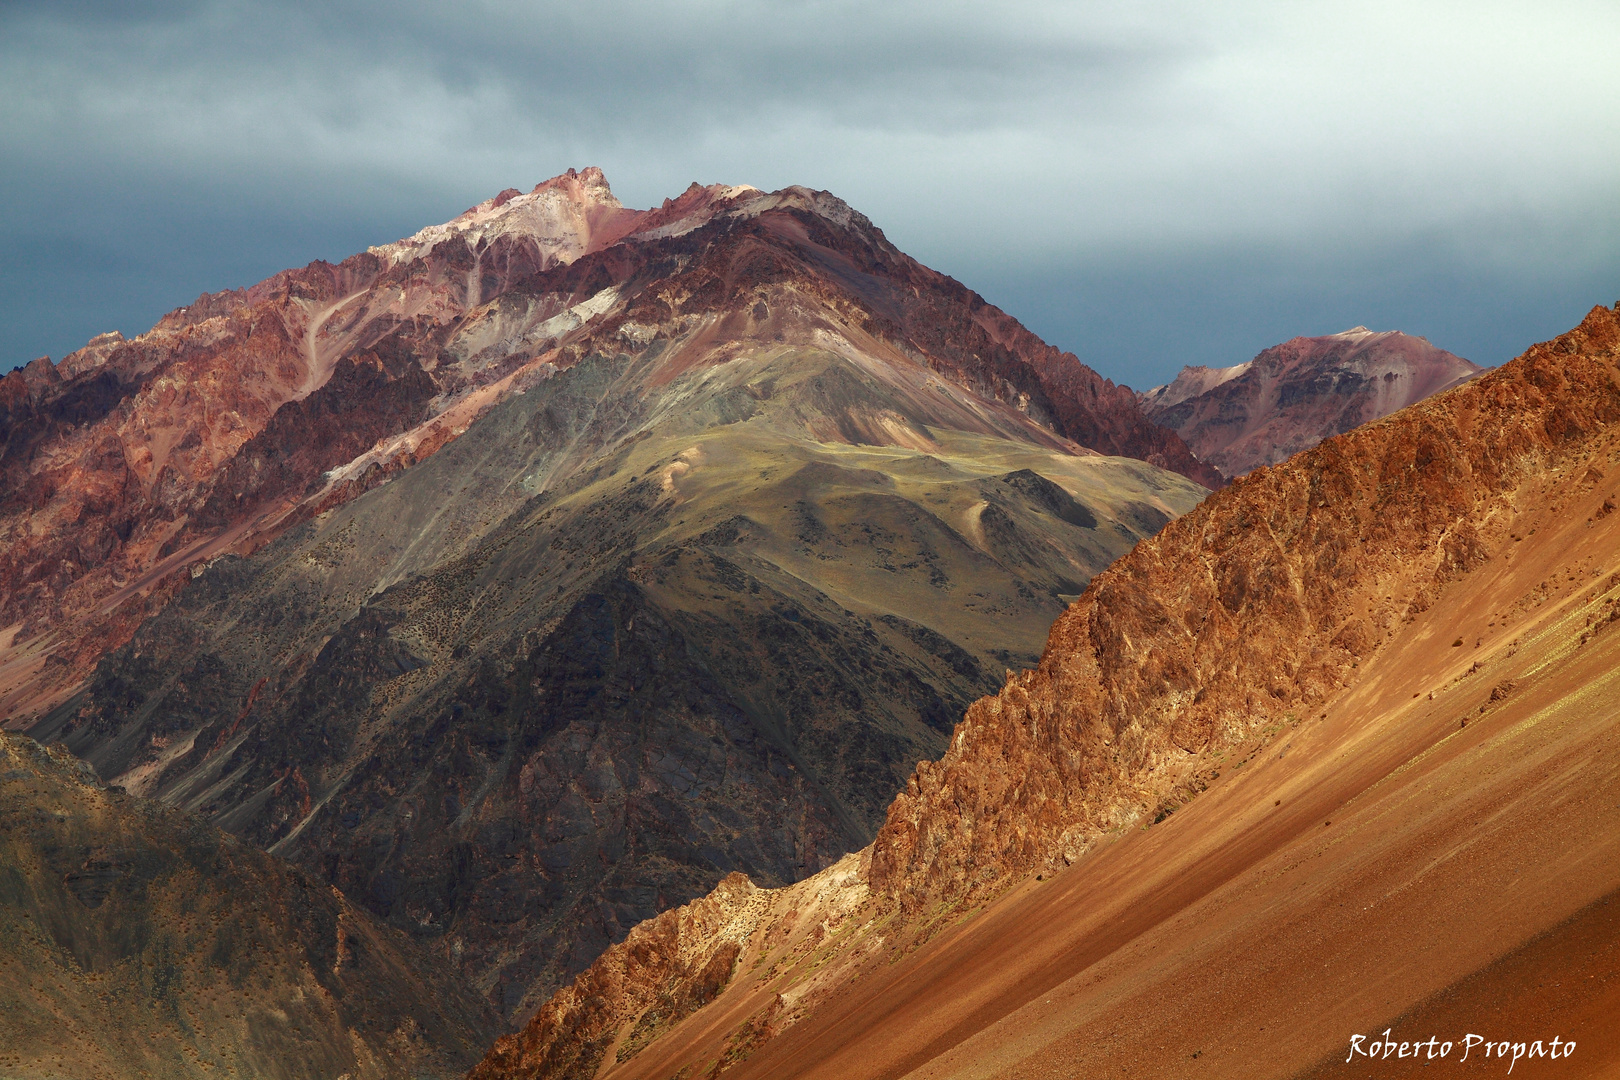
(1146, 184)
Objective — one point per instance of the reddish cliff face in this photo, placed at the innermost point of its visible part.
(1403, 633)
(1296, 394)
(131, 462)
(1261, 604)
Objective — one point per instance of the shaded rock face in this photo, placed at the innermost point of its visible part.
(692, 596)
(131, 462)
(1296, 394)
(1249, 615)
(141, 942)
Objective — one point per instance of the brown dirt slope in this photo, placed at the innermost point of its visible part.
(1306, 764)
(140, 942)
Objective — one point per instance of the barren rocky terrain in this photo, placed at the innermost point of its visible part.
(712, 643)
(129, 464)
(691, 596)
(1332, 753)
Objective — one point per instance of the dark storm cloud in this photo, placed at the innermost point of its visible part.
(604, 71)
(1267, 165)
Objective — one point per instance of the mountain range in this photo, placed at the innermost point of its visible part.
(1330, 754)
(705, 640)
(604, 554)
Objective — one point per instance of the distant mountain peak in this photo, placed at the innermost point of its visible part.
(1293, 395)
(1192, 380)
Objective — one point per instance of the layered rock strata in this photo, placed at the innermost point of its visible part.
(694, 600)
(130, 463)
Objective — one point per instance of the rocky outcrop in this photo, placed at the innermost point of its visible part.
(1245, 617)
(1296, 394)
(140, 942)
(1260, 603)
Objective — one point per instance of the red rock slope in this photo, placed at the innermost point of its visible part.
(1294, 395)
(130, 463)
(1332, 753)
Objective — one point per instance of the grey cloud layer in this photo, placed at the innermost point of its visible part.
(985, 138)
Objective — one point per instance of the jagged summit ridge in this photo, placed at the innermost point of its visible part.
(575, 213)
(564, 216)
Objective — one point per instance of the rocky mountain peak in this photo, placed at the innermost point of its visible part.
(564, 217)
(576, 212)
(323, 381)
(1191, 381)
(587, 185)
(1292, 395)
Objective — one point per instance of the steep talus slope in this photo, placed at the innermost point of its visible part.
(1296, 394)
(132, 462)
(1358, 707)
(140, 942)
(694, 603)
